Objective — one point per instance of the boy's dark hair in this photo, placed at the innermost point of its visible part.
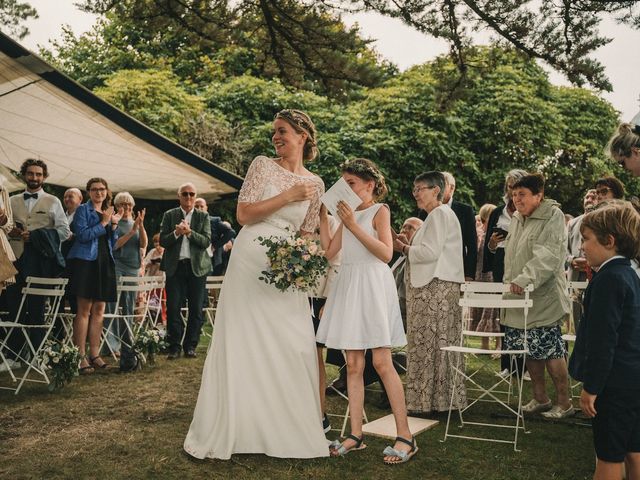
(532, 181)
(30, 162)
(618, 219)
(613, 184)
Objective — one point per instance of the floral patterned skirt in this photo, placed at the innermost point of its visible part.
(434, 320)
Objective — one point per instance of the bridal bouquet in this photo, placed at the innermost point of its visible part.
(294, 261)
(62, 360)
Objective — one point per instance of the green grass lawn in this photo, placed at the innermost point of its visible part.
(132, 426)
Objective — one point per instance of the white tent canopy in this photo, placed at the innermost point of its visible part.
(46, 115)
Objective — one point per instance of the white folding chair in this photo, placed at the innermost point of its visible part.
(156, 303)
(575, 291)
(487, 295)
(29, 355)
(213, 286)
(130, 323)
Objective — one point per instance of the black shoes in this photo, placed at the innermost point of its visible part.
(126, 367)
(190, 353)
(326, 426)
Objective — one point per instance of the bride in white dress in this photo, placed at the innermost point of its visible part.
(259, 391)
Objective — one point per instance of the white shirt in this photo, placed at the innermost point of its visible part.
(56, 212)
(436, 249)
(608, 260)
(184, 247)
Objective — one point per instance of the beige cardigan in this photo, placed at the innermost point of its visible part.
(436, 249)
(5, 248)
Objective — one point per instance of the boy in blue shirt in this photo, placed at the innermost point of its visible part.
(606, 356)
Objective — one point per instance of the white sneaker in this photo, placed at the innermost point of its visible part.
(503, 374)
(9, 364)
(526, 377)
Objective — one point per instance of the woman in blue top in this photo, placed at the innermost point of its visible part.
(92, 269)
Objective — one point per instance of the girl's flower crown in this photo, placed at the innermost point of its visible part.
(364, 168)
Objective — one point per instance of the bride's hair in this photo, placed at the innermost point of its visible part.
(367, 170)
(301, 123)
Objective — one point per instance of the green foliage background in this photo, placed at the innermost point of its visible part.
(503, 114)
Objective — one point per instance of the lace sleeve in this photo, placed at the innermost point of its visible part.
(312, 219)
(253, 185)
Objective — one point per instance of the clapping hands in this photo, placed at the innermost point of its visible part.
(399, 242)
(139, 221)
(183, 228)
(107, 213)
(115, 217)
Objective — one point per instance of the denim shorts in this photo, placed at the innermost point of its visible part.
(544, 343)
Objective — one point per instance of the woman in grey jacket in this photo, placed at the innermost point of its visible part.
(535, 251)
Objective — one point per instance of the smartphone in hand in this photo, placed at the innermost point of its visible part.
(500, 231)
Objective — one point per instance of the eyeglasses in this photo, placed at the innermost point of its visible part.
(419, 189)
(97, 190)
(602, 190)
(188, 194)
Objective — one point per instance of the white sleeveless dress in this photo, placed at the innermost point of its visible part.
(259, 391)
(362, 309)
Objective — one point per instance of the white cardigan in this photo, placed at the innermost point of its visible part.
(436, 249)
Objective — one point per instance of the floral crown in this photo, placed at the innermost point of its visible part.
(357, 166)
(297, 118)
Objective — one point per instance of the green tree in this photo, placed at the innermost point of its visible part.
(305, 46)
(562, 33)
(12, 14)
(158, 99)
(586, 123)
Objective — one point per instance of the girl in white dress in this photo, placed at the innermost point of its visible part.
(259, 391)
(362, 310)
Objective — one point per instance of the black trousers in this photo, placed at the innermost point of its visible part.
(184, 285)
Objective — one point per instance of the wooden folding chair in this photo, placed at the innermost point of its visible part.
(30, 354)
(487, 295)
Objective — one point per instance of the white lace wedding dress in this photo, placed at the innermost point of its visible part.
(259, 391)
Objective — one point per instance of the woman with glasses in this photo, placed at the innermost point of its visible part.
(92, 270)
(434, 318)
(127, 254)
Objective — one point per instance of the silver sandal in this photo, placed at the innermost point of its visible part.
(401, 454)
(339, 450)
